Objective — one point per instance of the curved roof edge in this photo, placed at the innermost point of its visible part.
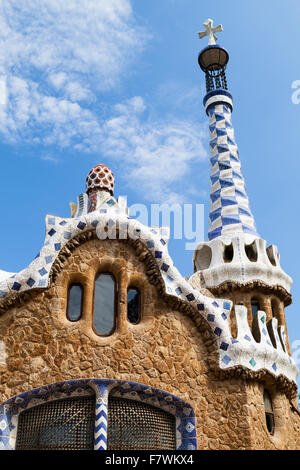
(113, 224)
(5, 275)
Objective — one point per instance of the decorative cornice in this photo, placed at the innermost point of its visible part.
(231, 286)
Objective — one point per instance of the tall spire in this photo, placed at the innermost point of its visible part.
(235, 262)
(230, 212)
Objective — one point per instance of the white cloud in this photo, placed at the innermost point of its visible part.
(3, 91)
(71, 37)
(59, 59)
(58, 79)
(50, 158)
(56, 53)
(157, 154)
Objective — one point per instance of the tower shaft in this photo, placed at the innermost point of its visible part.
(235, 263)
(229, 205)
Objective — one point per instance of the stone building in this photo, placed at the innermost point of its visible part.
(103, 344)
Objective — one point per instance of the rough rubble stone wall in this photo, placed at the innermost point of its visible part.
(165, 350)
(287, 421)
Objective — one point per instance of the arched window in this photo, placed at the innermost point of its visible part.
(133, 305)
(254, 306)
(228, 253)
(104, 304)
(62, 416)
(251, 252)
(270, 422)
(75, 302)
(133, 425)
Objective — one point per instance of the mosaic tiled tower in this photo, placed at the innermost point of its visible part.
(230, 211)
(235, 263)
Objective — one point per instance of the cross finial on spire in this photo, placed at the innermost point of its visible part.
(210, 32)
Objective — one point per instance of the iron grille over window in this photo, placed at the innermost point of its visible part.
(133, 425)
(66, 424)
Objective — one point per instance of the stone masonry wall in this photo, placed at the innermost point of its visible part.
(287, 421)
(165, 350)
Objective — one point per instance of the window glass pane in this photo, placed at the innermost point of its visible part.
(267, 401)
(75, 297)
(104, 309)
(270, 422)
(254, 306)
(133, 305)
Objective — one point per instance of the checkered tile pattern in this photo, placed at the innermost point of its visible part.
(229, 211)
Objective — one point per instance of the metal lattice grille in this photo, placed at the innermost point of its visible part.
(133, 425)
(66, 424)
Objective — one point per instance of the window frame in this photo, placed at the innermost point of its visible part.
(256, 300)
(269, 413)
(116, 296)
(78, 284)
(140, 304)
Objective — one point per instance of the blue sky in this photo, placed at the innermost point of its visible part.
(117, 82)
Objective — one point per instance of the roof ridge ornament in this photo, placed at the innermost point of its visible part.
(210, 31)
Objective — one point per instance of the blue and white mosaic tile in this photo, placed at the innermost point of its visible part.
(229, 211)
(243, 351)
(183, 412)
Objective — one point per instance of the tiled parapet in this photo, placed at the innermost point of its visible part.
(240, 259)
(111, 222)
(262, 347)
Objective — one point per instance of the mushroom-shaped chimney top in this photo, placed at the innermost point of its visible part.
(100, 178)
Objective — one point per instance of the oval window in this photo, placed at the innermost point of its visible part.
(104, 304)
(133, 305)
(254, 306)
(270, 422)
(75, 301)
